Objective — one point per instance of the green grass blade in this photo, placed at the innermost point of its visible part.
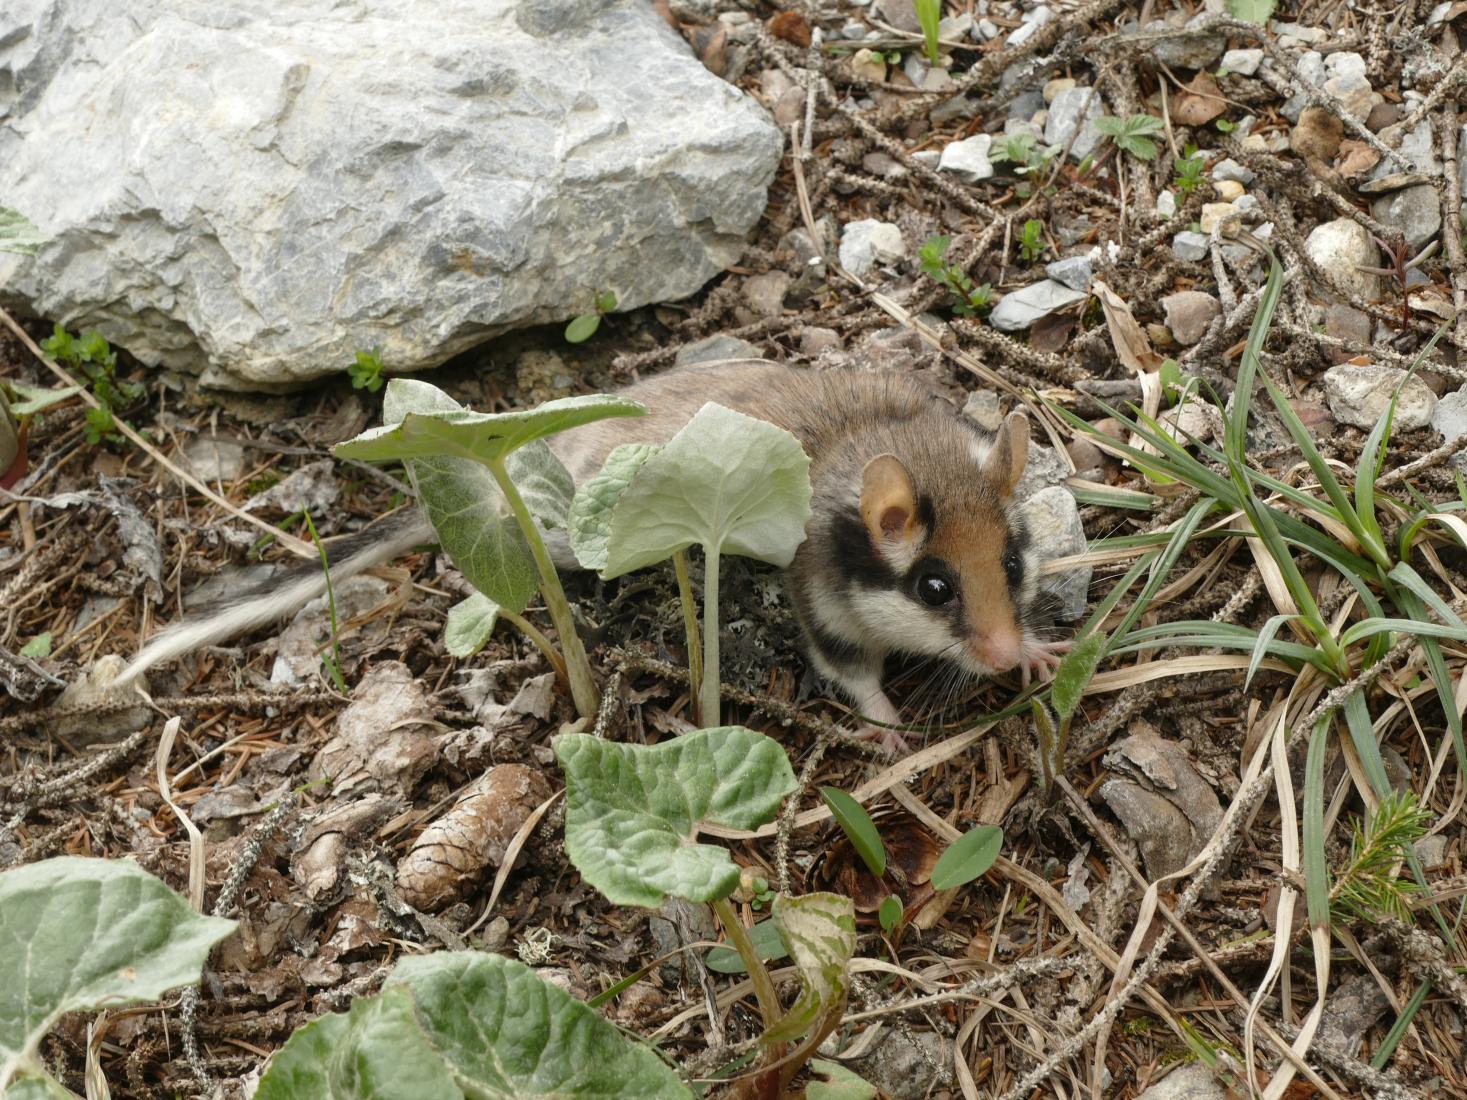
(1398, 1029)
(1265, 637)
(1362, 733)
(856, 823)
(1367, 628)
(1316, 867)
(1404, 575)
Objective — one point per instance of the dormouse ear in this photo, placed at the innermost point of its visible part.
(1004, 463)
(888, 500)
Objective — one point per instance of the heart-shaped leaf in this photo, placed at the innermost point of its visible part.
(631, 811)
(726, 480)
(507, 1034)
(820, 932)
(83, 933)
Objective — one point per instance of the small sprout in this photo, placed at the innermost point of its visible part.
(968, 298)
(366, 372)
(93, 356)
(1224, 126)
(1189, 170)
(584, 327)
(1251, 11)
(929, 15)
(1031, 240)
(1132, 134)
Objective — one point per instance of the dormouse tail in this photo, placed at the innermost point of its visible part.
(281, 595)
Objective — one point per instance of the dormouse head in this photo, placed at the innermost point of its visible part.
(957, 572)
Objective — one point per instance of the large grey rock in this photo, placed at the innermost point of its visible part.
(1360, 394)
(1190, 1082)
(256, 190)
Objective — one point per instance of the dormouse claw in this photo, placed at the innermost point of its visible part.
(1041, 659)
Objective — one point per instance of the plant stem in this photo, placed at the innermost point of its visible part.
(712, 711)
(690, 625)
(578, 668)
(763, 985)
(333, 663)
(542, 643)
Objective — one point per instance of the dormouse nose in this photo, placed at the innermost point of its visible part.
(999, 649)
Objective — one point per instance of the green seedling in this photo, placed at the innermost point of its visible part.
(93, 356)
(583, 327)
(466, 1023)
(727, 482)
(330, 661)
(632, 814)
(18, 233)
(484, 480)
(966, 859)
(1225, 126)
(1189, 170)
(38, 647)
(366, 372)
(968, 299)
(1369, 886)
(1052, 722)
(1031, 240)
(1023, 151)
(929, 15)
(84, 934)
(1132, 134)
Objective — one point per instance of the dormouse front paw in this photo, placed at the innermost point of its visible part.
(1041, 659)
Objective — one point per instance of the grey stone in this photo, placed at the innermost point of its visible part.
(765, 293)
(1191, 246)
(1450, 415)
(1053, 521)
(908, 1065)
(1351, 1009)
(1431, 850)
(968, 159)
(1019, 310)
(901, 14)
(1024, 106)
(1043, 469)
(1242, 62)
(1073, 271)
(1359, 394)
(1165, 804)
(959, 106)
(868, 243)
(1193, 52)
(1065, 119)
(1166, 204)
(1346, 323)
(1311, 35)
(1353, 91)
(814, 340)
(985, 30)
(853, 31)
(1345, 63)
(1311, 67)
(1340, 248)
(1415, 211)
(1193, 1081)
(213, 460)
(1188, 313)
(1229, 169)
(983, 409)
(712, 349)
(267, 189)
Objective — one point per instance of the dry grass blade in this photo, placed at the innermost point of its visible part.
(195, 838)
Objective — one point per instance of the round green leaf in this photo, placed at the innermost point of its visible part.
(631, 811)
(590, 511)
(376, 1051)
(582, 328)
(83, 933)
(726, 480)
(858, 826)
(971, 855)
(470, 622)
(506, 1034)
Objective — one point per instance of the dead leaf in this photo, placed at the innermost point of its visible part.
(1199, 102)
(710, 44)
(791, 26)
(1051, 332)
(1356, 158)
(1126, 336)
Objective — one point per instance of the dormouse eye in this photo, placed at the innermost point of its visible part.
(933, 590)
(1013, 567)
